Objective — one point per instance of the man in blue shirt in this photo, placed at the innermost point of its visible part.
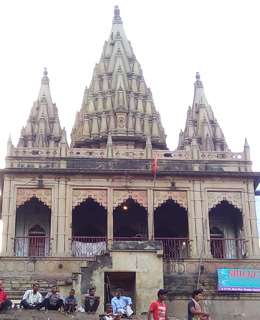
(121, 304)
(70, 302)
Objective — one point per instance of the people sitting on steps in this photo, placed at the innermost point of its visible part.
(121, 304)
(5, 303)
(70, 302)
(32, 299)
(91, 301)
(53, 300)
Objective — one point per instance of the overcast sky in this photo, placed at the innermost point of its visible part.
(172, 40)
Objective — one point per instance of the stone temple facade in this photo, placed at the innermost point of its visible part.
(93, 214)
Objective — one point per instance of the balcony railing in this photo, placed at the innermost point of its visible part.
(31, 246)
(135, 238)
(88, 247)
(228, 248)
(175, 248)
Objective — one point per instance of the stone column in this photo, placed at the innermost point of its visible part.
(61, 216)
(54, 220)
(198, 217)
(6, 235)
(68, 218)
(247, 226)
(110, 201)
(253, 220)
(191, 225)
(150, 213)
(12, 217)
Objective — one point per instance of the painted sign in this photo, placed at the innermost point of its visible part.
(245, 280)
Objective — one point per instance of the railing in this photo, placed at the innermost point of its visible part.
(175, 248)
(135, 238)
(228, 248)
(31, 246)
(88, 247)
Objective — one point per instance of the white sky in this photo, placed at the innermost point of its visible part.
(172, 40)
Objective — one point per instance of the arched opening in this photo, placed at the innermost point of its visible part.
(130, 221)
(171, 227)
(32, 230)
(89, 229)
(226, 232)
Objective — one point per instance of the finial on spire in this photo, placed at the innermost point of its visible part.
(116, 11)
(45, 78)
(198, 82)
(117, 17)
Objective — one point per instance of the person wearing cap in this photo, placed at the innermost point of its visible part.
(158, 308)
(4, 302)
(121, 304)
(32, 298)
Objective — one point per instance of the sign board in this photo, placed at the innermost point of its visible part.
(243, 280)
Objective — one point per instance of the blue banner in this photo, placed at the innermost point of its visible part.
(244, 280)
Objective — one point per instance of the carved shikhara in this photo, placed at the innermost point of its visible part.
(215, 198)
(178, 196)
(140, 196)
(99, 195)
(24, 194)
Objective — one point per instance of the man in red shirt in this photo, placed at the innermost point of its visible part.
(4, 302)
(158, 308)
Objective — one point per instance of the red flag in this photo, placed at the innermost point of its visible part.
(155, 163)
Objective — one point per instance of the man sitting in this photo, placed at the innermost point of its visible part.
(32, 298)
(70, 302)
(121, 304)
(53, 300)
(4, 302)
(91, 301)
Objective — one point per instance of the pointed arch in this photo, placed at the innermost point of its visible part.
(32, 228)
(226, 231)
(89, 218)
(171, 227)
(130, 220)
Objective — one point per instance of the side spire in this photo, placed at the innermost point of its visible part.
(43, 126)
(118, 101)
(201, 124)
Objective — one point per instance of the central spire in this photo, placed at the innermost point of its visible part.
(118, 102)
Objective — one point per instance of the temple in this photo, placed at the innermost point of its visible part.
(94, 212)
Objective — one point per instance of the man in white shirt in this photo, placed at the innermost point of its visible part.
(32, 298)
(121, 304)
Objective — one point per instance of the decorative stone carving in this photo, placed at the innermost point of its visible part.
(215, 198)
(79, 195)
(140, 196)
(23, 195)
(178, 196)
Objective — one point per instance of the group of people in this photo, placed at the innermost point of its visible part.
(159, 310)
(120, 305)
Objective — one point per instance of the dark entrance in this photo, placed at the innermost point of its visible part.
(123, 280)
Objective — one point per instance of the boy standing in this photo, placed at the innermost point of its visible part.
(158, 308)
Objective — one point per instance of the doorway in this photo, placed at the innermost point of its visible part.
(123, 280)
